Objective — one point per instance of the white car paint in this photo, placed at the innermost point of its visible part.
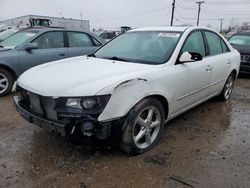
(183, 86)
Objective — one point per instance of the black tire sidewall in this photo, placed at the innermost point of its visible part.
(222, 95)
(128, 144)
(10, 80)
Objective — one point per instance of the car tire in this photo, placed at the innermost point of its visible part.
(143, 126)
(6, 82)
(227, 89)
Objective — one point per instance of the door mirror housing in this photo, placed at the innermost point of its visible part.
(31, 46)
(187, 57)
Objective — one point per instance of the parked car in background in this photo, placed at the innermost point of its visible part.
(130, 87)
(229, 35)
(108, 35)
(4, 27)
(5, 34)
(34, 46)
(241, 42)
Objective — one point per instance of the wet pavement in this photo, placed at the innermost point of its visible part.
(209, 146)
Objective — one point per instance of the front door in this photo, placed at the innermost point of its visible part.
(50, 48)
(191, 78)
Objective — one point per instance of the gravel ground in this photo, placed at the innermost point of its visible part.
(208, 146)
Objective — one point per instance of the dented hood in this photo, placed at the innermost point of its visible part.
(79, 76)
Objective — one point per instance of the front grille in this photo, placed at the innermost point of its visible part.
(39, 105)
(245, 58)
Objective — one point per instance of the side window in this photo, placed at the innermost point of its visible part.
(104, 35)
(50, 40)
(224, 46)
(111, 35)
(77, 39)
(194, 43)
(214, 43)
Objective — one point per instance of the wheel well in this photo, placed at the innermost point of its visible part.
(234, 72)
(9, 70)
(164, 102)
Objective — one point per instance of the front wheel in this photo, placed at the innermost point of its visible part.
(6, 82)
(228, 88)
(143, 126)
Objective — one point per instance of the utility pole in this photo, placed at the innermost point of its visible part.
(221, 22)
(172, 17)
(199, 10)
(81, 18)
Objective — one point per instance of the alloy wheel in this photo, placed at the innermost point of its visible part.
(4, 83)
(146, 127)
(228, 87)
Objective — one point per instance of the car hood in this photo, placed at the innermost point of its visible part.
(78, 76)
(4, 49)
(243, 49)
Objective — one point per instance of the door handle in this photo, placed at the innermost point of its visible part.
(209, 68)
(61, 54)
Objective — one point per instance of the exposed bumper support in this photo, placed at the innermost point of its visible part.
(43, 123)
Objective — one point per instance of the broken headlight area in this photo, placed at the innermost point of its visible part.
(82, 105)
(76, 114)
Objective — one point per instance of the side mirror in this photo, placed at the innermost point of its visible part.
(31, 46)
(190, 57)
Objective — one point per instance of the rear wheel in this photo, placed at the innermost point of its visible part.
(6, 82)
(143, 126)
(228, 88)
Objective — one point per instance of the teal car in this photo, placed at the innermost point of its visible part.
(34, 46)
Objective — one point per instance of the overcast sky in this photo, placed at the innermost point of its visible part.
(111, 14)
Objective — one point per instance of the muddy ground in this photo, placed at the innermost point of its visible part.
(208, 146)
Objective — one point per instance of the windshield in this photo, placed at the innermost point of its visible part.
(240, 39)
(17, 39)
(148, 47)
(7, 33)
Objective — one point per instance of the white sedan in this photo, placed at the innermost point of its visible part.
(130, 87)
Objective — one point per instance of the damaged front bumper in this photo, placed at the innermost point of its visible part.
(41, 122)
(84, 126)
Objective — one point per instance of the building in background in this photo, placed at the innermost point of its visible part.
(36, 20)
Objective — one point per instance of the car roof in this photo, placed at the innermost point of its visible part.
(162, 28)
(170, 28)
(243, 33)
(43, 29)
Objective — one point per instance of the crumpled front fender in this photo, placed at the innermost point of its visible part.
(124, 96)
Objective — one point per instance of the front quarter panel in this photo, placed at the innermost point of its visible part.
(10, 59)
(124, 96)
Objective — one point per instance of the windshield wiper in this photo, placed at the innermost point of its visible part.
(91, 55)
(115, 58)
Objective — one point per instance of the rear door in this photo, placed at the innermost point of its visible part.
(80, 43)
(50, 48)
(220, 61)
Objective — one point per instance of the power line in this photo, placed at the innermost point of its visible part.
(133, 15)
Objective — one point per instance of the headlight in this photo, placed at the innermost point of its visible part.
(95, 103)
(88, 103)
(74, 103)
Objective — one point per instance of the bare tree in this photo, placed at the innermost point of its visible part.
(245, 26)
